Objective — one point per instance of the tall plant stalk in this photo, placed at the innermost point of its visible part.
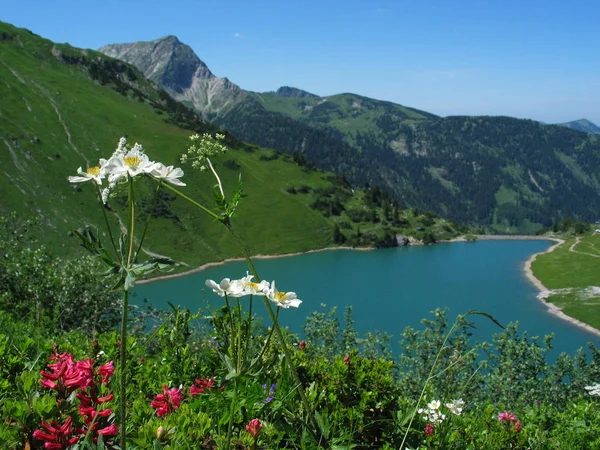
(123, 349)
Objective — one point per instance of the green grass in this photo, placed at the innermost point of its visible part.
(579, 305)
(564, 269)
(46, 148)
(55, 116)
(349, 113)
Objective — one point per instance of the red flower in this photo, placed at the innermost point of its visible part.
(429, 430)
(254, 428)
(106, 371)
(110, 430)
(347, 360)
(203, 385)
(57, 437)
(302, 345)
(66, 375)
(167, 402)
(518, 426)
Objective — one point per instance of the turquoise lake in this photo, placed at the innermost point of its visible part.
(393, 288)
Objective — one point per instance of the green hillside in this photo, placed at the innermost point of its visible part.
(513, 175)
(582, 125)
(571, 271)
(65, 107)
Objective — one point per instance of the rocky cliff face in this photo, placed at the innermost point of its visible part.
(174, 66)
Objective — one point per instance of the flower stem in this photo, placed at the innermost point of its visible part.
(429, 377)
(123, 349)
(231, 413)
(193, 202)
(216, 176)
(130, 231)
(320, 438)
(112, 239)
(123, 379)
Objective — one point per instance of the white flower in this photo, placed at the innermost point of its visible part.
(202, 148)
(456, 406)
(434, 404)
(133, 163)
(249, 287)
(282, 299)
(593, 390)
(170, 174)
(91, 173)
(225, 287)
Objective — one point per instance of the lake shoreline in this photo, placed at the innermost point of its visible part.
(542, 295)
(228, 260)
(482, 237)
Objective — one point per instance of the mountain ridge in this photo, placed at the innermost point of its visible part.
(512, 174)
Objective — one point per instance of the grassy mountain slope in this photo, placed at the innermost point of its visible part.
(61, 110)
(513, 175)
(65, 107)
(582, 125)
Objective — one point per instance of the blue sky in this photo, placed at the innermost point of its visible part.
(536, 59)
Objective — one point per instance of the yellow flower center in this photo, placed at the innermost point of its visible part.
(93, 171)
(132, 161)
(281, 296)
(252, 284)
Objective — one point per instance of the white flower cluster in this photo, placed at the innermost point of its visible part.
(124, 163)
(456, 406)
(432, 414)
(593, 390)
(202, 148)
(245, 286)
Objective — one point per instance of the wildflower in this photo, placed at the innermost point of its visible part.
(106, 371)
(518, 426)
(270, 396)
(91, 173)
(66, 375)
(429, 429)
(169, 174)
(167, 402)
(56, 436)
(249, 287)
(202, 148)
(434, 404)
(133, 163)
(282, 299)
(507, 416)
(593, 390)
(431, 413)
(302, 345)
(111, 430)
(225, 287)
(456, 406)
(254, 428)
(203, 385)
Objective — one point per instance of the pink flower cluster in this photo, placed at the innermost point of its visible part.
(508, 417)
(67, 376)
(202, 386)
(171, 399)
(168, 401)
(254, 428)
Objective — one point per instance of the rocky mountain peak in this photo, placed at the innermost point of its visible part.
(166, 61)
(174, 66)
